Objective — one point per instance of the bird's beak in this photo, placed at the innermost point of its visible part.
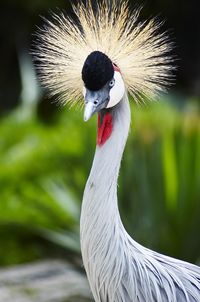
(90, 109)
(95, 101)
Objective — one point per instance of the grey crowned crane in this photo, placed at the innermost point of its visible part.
(101, 56)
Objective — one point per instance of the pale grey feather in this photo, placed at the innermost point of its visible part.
(118, 268)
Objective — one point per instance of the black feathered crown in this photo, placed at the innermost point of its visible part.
(97, 70)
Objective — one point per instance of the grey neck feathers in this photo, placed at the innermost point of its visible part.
(118, 268)
(100, 196)
(107, 158)
(100, 219)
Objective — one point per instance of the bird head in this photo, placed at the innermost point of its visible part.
(103, 83)
(105, 43)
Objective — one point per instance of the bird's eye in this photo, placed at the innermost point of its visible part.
(111, 83)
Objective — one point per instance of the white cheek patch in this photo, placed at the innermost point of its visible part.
(117, 91)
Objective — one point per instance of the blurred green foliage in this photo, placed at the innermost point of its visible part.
(44, 167)
(161, 179)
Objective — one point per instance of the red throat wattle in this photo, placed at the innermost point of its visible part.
(105, 126)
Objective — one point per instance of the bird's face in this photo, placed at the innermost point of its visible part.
(103, 84)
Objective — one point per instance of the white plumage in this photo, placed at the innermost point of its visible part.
(118, 268)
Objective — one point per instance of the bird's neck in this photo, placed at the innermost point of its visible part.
(100, 219)
(113, 128)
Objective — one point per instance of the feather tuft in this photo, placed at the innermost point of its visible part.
(139, 49)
